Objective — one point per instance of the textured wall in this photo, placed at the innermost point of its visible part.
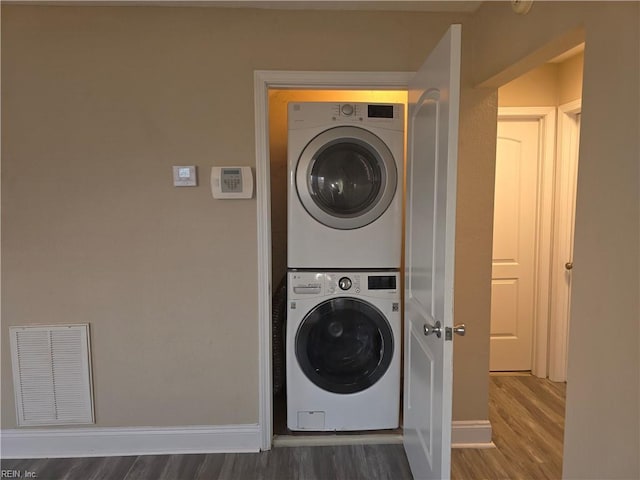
(602, 435)
(550, 84)
(97, 104)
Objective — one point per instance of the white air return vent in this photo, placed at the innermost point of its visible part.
(52, 374)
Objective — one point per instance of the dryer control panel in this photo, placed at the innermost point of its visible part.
(367, 111)
(389, 116)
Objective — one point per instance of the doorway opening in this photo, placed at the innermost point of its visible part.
(533, 216)
(264, 81)
(534, 208)
(436, 96)
(278, 99)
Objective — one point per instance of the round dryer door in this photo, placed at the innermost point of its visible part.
(344, 345)
(346, 177)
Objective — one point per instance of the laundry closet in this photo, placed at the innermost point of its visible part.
(336, 260)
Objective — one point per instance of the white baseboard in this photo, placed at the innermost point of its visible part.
(471, 434)
(106, 442)
(125, 441)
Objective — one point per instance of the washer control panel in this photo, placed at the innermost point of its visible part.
(306, 283)
(317, 284)
(341, 282)
(344, 283)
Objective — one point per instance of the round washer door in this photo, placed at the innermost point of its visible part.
(344, 345)
(346, 177)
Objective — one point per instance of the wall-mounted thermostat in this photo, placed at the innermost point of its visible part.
(231, 182)
(185, 176)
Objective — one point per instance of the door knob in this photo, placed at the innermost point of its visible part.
(568, 265)
(460, 329)
(433, 329)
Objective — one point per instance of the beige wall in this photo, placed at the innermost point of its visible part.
(602, 423)
(97, 104)
(537, 88)
(550, 84)
(570, 73)
(474, 242)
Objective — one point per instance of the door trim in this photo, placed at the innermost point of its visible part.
(546, 117)
(566, 165)
(263, 81)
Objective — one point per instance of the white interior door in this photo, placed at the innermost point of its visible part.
(567, 176)
(434, 96)
(514, 245)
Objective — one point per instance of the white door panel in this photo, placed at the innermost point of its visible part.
(568, 139)
(421, 213)
(429, 258)
(514, 245)
(420, 441)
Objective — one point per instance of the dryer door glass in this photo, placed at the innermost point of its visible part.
(344, 345)
(346, 177)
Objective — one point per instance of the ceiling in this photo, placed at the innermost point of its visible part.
(423, 6)
(386, 5)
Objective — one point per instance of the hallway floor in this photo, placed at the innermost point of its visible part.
(527, 417)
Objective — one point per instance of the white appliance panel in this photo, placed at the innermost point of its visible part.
(319, 237)
(315, 408)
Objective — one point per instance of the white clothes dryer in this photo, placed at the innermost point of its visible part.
(343, 350)
(345, 164)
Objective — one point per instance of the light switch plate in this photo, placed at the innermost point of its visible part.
(185, 176)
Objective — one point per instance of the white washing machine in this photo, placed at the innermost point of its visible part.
(345, 185)
(343, 350)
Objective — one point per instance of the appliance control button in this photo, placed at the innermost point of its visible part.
(345, 283)
(347, 109)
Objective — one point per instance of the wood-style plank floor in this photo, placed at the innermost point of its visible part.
(527, 415)
(352, 462)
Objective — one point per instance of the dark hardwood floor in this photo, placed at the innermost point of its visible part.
(352, 462)
(527, 415)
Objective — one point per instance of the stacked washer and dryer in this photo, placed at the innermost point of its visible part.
(343, 334)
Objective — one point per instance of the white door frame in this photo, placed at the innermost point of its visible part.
(567, 164)
(546, 116)
(263, 81)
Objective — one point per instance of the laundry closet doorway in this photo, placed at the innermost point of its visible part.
(434, 93)
(279, 178)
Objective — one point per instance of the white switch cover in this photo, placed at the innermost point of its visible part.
(184, 176)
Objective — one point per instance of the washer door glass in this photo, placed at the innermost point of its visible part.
(344, 345)
(346, 177)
